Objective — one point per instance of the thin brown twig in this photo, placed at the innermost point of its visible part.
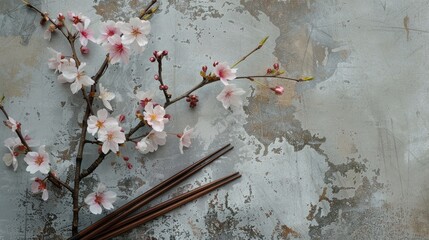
(161, 81)
(51, 177)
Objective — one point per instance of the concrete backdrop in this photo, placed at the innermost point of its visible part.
(342, 157)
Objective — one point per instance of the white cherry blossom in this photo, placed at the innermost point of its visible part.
(55, 61)
(77, 75)
(135, 32)
(185, 138)
(225, 73)
(100, 122)
(101, 197)
(117, 50)
(151, 142)
(10, 158)
(108, 29)
(111, 136)
(85, 33)
(12, 124)
(230, 96)
(37, 161)
(106, 96)
(39, 186)
(154, 116)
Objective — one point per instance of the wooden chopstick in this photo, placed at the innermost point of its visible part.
(140, 201)
(167, 203)
(165, 207)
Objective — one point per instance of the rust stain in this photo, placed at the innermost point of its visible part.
(287, 230)
(406, 23)
(323, 195)
(310, 215)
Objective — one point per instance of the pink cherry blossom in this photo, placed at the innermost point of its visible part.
(76, 18)
(279, 90)
(37, 161)
(39, 186)
(151, 142)
(135, 31)
(106, 96)
(78, 75)
(225, 73)
(100, 122)
(101, 197)
(10, 158)
(85, 33)
(185, 138)
(144, 97)
(12, 124)
(154, 116)
(111, 136)
(108, 29)
(230, 96)
(117, 50)
(55, 61)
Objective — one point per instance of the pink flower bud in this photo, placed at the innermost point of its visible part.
(84, 49)
(179, 135)
(61, 17)
(155, 53)
(156, 77)
(163, 87)
(168, 116)
(215, 64)
(152, 59)
(269, 70)
(129, 166)
(204, 68)
(279, 90)
(121, 118)
(165, 52)
(126, 158)
(276, 66)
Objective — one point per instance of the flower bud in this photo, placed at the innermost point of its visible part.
(215, 64)
(269, 70)
(165, 52)
(276, 66)
(279, 90)
(156, 77)
(84, 49)
(152, 59)
(204, 68)
(129, 166)
(125, 158)
(52, 28)
(121, 118)
(16, 154)
(163, 87)
(155, 53)
(61, 17)
(168, 116)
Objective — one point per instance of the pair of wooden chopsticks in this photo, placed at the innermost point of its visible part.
(121, 220)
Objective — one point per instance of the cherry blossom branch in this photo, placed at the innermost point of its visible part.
(93, 166)
(162, 86)
(134, 129)
(146, 10)
(105, 64)
(45, 15)
(186, 94)
(261, 43)
(271, 76)
(51, 177)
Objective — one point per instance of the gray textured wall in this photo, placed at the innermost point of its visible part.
(341, 157)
